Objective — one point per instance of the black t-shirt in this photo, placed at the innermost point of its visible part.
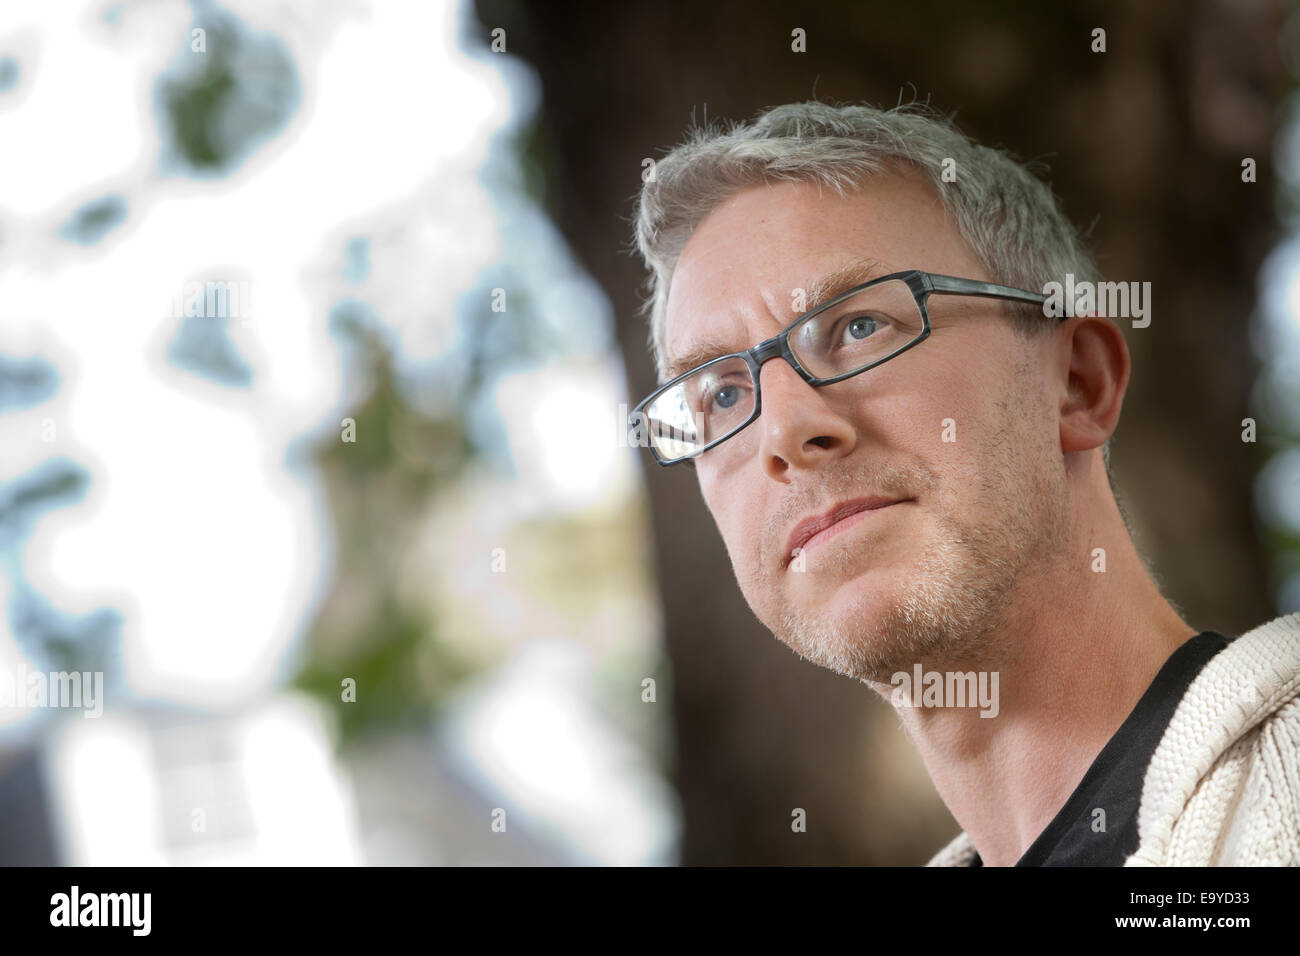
(1114, 781)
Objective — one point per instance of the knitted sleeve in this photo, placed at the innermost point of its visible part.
(1265, 829)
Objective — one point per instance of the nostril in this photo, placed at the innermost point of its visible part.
(823, 441)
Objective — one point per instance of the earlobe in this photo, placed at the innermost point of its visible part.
(1096, 362)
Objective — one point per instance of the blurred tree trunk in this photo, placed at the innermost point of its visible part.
(1144, 140)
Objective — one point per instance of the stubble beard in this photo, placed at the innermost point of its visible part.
(951, 603)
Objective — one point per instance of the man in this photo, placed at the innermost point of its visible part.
(903, 443)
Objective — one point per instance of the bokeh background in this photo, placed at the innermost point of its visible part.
(318, 319)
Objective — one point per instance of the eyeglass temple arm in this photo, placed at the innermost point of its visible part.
(955, 286)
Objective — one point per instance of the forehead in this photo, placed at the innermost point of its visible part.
(737, 275)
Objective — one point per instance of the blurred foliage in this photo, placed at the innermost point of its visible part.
(537, 154)
(25, 382)
(230, 90)
(51, 639)
(59, 642)
(22, 500)
(378, 485)
(575, 556)
(91, 222)
(400, 673)
(9, 73)
(203, 346)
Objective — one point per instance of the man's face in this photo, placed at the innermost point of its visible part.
(961, 431)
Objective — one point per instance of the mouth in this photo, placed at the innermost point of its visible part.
(812, 531)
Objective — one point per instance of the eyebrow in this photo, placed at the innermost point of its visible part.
(817, 292)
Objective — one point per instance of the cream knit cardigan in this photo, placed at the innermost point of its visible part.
(1223, 787)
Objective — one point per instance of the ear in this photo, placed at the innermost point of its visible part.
(1095, 365)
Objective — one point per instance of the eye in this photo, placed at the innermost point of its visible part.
(727, 396)
(722, 397)
(859, 328)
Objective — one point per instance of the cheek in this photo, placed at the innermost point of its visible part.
(956, 407)
(708, 483)
(717, 504)
(738, 520)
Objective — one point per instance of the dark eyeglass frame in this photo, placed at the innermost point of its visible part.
(922, 285)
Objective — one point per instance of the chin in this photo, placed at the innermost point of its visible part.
(845, 574)
(850, 627)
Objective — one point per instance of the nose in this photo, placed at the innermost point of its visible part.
(800, 430)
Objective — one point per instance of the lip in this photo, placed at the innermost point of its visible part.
(814, 525)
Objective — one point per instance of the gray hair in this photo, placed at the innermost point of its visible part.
(1008, 217)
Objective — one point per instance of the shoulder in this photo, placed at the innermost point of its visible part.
(1265, 830)
(1224, 783)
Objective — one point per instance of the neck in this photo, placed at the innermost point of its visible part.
(1077, 649)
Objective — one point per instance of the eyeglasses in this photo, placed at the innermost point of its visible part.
(864, 327)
